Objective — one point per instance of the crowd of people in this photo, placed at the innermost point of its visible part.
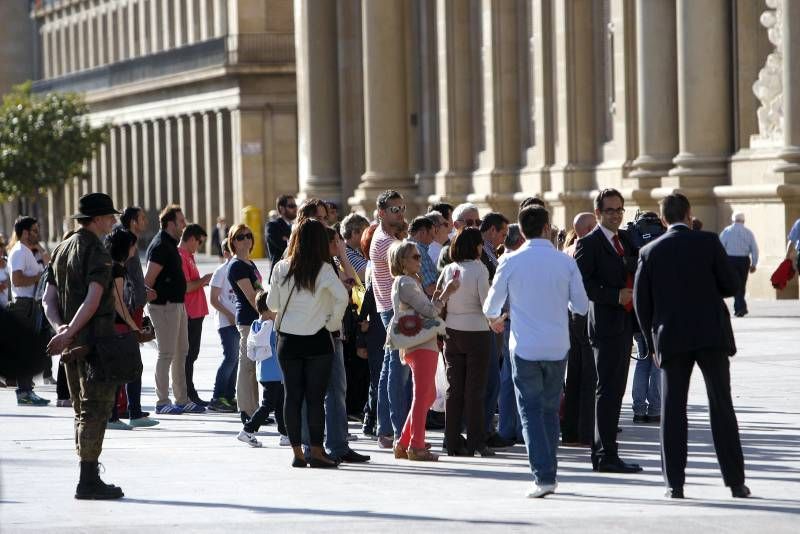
(459, 322)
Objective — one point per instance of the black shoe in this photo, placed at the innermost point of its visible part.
(674, 493)
(299, 462)
(484, 452)
(91, 487)
(460, 451)
(269, 421)
(618, 466)
(741, 491)
(496, 441)
(640, 419)
(434, 420)
(216, 406)
(200, 402)
(352, 457)
(655, 419)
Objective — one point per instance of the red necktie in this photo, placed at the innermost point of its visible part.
(629, 281)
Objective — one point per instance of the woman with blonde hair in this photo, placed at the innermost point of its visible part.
(245, 281)
(407, 294)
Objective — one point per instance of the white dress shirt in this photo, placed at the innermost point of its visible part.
(739, 241)
(541, 285)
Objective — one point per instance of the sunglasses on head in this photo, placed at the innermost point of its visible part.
(242, 237)
(396, 209)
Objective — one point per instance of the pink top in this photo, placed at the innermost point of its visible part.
(382, 278)
(195, 301)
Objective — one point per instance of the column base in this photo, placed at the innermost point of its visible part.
(533, 182)
(323, 188)
(373, 184)
(493, 190)
(651, 167)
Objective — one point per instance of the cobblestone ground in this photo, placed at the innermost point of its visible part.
(191, 474)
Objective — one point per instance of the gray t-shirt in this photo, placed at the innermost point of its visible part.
(136, 280)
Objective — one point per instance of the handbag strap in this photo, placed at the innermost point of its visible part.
(280, 322)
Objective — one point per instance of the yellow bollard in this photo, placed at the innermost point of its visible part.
(252, 218)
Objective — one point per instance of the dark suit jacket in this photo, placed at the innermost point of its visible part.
(680, 283)
(278, 232)
(604, 274)
(491, 267)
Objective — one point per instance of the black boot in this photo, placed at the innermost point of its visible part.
(91, 487)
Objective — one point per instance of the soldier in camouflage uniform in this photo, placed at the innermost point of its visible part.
(79, 303)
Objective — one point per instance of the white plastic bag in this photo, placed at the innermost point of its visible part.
(258, 346)
(441, 385)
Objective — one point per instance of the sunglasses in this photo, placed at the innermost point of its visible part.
(396, 209)
(242, 237)
(471, 222)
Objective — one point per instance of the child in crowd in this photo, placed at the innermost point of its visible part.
(261, 349)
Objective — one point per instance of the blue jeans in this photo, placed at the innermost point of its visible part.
(646, 383)
(225, 384)
(538, 386)
(375, 354)
(393, 390)
(508, 426)
(492, 385)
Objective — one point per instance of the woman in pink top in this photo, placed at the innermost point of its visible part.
(192, 239)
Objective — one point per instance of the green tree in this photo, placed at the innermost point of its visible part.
(44, 142)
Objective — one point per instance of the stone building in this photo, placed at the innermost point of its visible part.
(216, 104)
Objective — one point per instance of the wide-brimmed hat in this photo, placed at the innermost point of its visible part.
(94, 205)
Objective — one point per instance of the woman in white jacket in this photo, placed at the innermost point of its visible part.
(310, 301)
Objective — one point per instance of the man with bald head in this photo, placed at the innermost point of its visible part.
(740, 244)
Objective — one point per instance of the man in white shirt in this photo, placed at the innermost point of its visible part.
(740, 245)
(223, 300)
(25, 274)
(539, 342)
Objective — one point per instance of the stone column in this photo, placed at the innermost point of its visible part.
(456, 83)
(92, 42)
(159, 164)
(121, 29)
(147, 164)
(247, 140)
(114, 164)
(167, 37)
(317, 99)
(155, 32)
(170, 161)
(204, 22)
(385, 111)
(197, 171)
(227, 208)
(209, 170)
(178, 20)
(131, 23)
(182, 154)
(63, 59)
(144, 38)
(47, 69)
(125, 159)
(111, 55)
(191, 27)
(72, 35)
(82, 49)
(791, 87)
(105, 166)
(656, 84)
(134, 156)
(96, 171)
(220, 12)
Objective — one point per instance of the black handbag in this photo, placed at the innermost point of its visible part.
(114, 358)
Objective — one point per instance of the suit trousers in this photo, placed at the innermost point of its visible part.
(612, 359)
(740, 264)
(466, 355)
(579, 393)
(675, 378)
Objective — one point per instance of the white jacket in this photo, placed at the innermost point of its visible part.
(258, 346)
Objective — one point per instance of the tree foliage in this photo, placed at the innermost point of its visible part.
(44, 141)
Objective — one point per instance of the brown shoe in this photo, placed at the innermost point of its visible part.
(421, 455)
(400, 452)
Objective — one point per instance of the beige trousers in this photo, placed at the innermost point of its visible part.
(172, 334)
(246, 382)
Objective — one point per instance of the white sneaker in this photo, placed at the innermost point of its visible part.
(284, 442)
(540, 490)
(250, 439)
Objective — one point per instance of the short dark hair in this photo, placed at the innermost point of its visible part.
(119, 243)
(531, 201)
(383, 199)
(444, 208)
(465, 245)
(261, 301)
(23, 222)
(129, 215)
(283, 200)
(193, 230)
(675, 207)
(330, 204)
(493, 220)
(604, 194)
(168, 215)
(532, 221)
(308, 210)
(420, 223)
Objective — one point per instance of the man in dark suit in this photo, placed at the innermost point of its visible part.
(279, 230)
(680, 283)
(607, 261)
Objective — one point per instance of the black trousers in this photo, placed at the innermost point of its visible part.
(579, 393)
(271, 400)
(677, 372)
(195, 328)
(740, 264)
(305, 378)
(466, 356)
(612, 359)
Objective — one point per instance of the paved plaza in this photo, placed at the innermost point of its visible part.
(190, 473)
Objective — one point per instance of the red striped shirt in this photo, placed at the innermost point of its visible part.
(382, 278)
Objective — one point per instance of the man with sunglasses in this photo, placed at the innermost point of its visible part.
(607, 260)
(277, 232)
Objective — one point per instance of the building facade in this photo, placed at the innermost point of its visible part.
(216, 104)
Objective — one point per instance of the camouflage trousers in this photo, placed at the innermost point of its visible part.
(92, 403)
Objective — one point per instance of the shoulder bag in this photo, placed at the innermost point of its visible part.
(409, 328)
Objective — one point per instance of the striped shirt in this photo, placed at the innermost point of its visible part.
(739, 241)
(382, 278)
(356, 258)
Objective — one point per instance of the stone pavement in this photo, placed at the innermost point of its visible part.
(190, 473)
